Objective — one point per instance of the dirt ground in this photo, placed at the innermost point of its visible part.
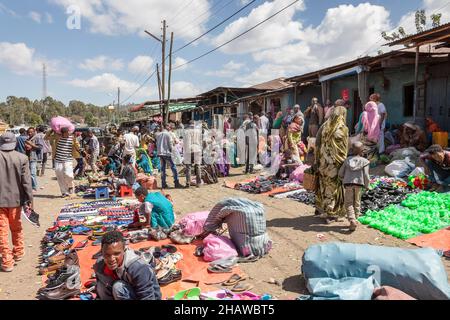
(291, 225)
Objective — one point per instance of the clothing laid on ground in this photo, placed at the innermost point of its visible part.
(246, 221)
(330, 154)
(134, 280)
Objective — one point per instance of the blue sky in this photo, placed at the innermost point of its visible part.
(111, 49)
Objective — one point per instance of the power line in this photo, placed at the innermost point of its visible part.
(181, 9)
(216, 26)
(140, 87)
(185, 31)
(238, 36)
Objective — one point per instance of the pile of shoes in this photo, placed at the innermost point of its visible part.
(164, 260)
(55, 247)
(64, 284)
(261, 185)
(383, 196)
(307, 197)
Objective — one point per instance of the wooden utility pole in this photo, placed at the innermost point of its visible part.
(159, 90)
(170, 77)
(163, 71)
(118, 104)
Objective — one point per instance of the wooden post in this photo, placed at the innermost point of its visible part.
(163, 71)
(170, 78)
(159, 90)
(416, 83)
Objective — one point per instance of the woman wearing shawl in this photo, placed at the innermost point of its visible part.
(143, 161)
(370, 128)
(294, 138)
(330, 154)
(413, 136)
(278, 120)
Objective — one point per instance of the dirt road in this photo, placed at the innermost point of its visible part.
(291, 225)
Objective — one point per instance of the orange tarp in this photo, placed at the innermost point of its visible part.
(439, 240)
(194, 269)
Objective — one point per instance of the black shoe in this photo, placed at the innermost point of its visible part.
(172, 276)
(31, 216)
(178, 185)
(164, 186)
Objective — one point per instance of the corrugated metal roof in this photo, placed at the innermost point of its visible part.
(427, 35)
(274, 84)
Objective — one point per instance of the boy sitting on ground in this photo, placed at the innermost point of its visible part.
(354, 173)
(123, 275)
(156, 208)
(127, 177)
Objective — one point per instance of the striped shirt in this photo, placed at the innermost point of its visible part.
(246, 221)
(64, 150)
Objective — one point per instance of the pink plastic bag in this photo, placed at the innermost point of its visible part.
(218, 247)
(60, 122)
(297, 175)
(193, 223)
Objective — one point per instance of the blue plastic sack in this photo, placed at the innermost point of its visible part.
(417, 272)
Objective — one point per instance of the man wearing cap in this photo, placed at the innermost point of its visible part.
(15, 191)
(131, 143)
(437, 161)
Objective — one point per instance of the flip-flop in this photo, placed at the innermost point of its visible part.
(219, 269)
(234, 279)
(225, 262)
(248, 259)
(241, 287)
(81, 245)
(170, 248)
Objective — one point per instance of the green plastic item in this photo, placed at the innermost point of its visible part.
(420, 213)
(189, 294)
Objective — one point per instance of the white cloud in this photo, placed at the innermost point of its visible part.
(179, 62)
(108, 82)
(229, 70)
(140, 63)
(22, 60)
(113, 17)
(35, 16)
(337, 39)
(102, 63)
(408, 21)
(5, 9)
(184, 89)
(277, 31)
(49, 18)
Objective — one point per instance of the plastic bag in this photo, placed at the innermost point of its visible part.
(218, 247)
(60, 122)
(193, 223)
(399, 168)
(417, 172)
(297, 175)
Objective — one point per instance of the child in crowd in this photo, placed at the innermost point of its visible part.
(110, 166)
(127, 175)
(354, 173)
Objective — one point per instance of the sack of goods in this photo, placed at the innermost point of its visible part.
(60, 122)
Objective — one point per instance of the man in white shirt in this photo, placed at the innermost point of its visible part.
(131, 143)
(383, 115)
(264, 121)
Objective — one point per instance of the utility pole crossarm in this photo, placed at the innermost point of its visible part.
(154, 37)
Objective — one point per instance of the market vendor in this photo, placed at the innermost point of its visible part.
(123, 275)
(127, 176)
(246, 221)
(156, 208)
(437, 161)
(413, 136)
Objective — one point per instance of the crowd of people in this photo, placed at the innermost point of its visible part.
(340, 158)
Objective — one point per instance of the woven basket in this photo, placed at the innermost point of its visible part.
(310, 181)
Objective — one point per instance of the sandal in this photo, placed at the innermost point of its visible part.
(248, 259)
(241, 287)
(219, 269)
(190, 294)
(234, 279)
(81, 245)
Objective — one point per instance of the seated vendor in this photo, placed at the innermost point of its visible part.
(413, 136)
(437, 161)
(157, 209)
(110, 166)
(121, 274)
(127, 177)
(144, 162)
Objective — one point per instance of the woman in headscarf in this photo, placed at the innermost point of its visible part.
(278, 121)
(413, 136)
(330, 154)
(369, 129)
(143, 161)
(294, 138)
